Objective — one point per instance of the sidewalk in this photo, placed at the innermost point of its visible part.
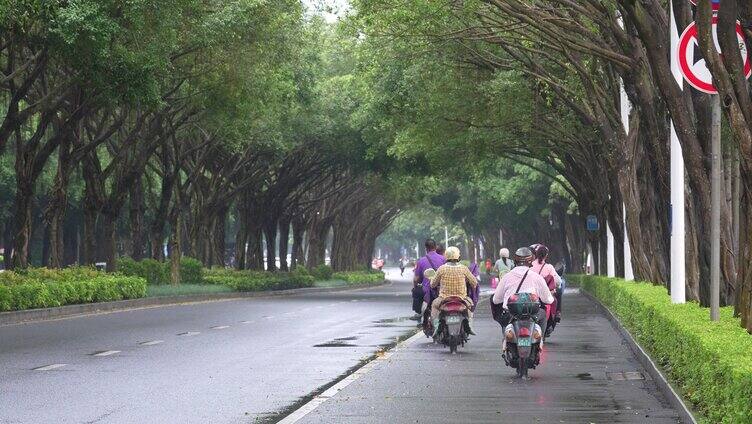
(587, 375)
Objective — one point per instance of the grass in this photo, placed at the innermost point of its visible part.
(185, 289)
(330, 283)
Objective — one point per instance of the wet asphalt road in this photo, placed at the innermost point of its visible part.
(588, 375)
(220, 362)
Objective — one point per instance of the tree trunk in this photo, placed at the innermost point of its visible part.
(255, 249)
(24, 205)
(218, 245)
(270, 231)
(175, 248)
(8, 244)
(108, 241)
(284, 242)
(298, 233)
(241, 240)
(89, 234)
(136, 216)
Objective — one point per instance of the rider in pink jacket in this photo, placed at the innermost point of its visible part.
(547, 271)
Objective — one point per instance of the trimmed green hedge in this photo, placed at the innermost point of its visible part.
(258, 280)
(710, 361)
(45, 288)
(156, 273)
(322, 272)
(359, 277)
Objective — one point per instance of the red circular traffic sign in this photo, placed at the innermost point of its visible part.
(697, 73)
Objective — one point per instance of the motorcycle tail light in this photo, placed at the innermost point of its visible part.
(524, 332)
(510, 335)
(514, 298)
(533, 297)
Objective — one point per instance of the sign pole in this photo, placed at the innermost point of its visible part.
(715, 211)
(678, 258)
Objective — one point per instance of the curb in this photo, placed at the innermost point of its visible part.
(70, 311)
(337, 385)
(676, 401)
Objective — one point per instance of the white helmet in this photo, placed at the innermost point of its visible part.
(452, 253)
(504, 252)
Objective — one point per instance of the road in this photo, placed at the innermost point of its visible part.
(588, 375)
(221, 362)
(257, 360)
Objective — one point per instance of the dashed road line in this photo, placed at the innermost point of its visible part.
(189, 333)
(151, 342)
(220, 327)
(49, 367)
(247, 322)
(106, 353)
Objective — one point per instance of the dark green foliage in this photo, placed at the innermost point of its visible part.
(153, 271)
(359, 277)
(322, 272)
(259, 280)
(711, 362)
(191, 271)
(45, 288)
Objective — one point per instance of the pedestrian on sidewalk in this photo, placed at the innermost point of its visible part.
(402, 265)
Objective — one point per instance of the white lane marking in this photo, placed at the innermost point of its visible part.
(49, 367)
(247, 322)
(220, 327)
(314, 403)
(189, 333)
(151, 342)
(106, 353)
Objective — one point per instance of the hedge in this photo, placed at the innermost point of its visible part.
(155, 272)
(359, 277)
(259, 280)
(46, 288)
(710, 361)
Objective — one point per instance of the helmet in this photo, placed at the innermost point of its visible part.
(504, 252)
(523, 256)
(540, 251)
(452, 253)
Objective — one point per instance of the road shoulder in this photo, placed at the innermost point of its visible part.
(588, 374)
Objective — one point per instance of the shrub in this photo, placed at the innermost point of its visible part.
(191, 271)
(44, 288)
(258, 280)
(360, 277)
(710, 361)
(321, 272)
(153, 271)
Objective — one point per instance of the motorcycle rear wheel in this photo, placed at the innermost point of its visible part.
(522, 368)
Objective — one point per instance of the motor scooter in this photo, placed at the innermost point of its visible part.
(453, 323)
(522, 336)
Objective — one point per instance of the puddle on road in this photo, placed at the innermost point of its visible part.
(339, 339)
(584, 376)
(335, 344)
(393, 320)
